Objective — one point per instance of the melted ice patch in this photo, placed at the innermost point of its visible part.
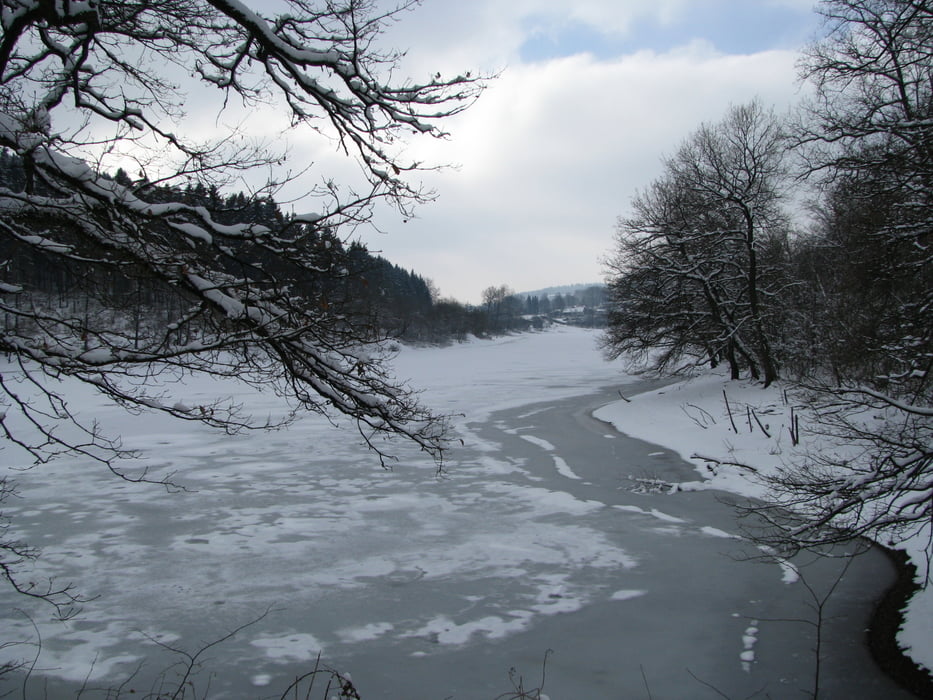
(562, 467)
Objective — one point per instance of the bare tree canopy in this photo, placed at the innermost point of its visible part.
(687, 276)
(166, 284)
(871, 74)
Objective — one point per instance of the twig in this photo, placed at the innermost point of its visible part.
(518, 689)
(794, 428)
(708, 685)
(723, 463)
(729, 411)
(703, 414)
(755, 416)
(35, 659)
(190, 663)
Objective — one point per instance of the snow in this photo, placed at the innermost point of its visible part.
(749, 640)
(261, 680)
(915, 634)
(232, 307)
(790, 573)
(192, 231)
(245, 16)
(364, 633)
(300, 647)
(442, 630)
(716, 532)
(654, 512)
(478, 377)
(691, 417)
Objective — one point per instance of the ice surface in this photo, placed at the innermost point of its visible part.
(510, 549)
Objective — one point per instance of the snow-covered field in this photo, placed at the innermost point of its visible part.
(379, 570)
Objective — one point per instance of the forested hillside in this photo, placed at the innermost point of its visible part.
(396, 302)
(358, 283)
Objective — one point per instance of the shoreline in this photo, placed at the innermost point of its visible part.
(886, 617)
(886, 621)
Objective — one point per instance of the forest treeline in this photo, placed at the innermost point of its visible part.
(358, 284)
(797, 246)
(713, 266)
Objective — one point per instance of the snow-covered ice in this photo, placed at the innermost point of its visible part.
(531, 538)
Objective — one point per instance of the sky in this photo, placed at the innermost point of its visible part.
(590, 95)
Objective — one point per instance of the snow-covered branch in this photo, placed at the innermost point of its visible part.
(107, 277)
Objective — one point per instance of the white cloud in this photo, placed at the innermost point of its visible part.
(554, 150)
(552, 154)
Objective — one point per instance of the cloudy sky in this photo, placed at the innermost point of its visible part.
(592, 93)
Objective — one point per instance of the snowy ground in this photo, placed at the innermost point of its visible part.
(428, 587)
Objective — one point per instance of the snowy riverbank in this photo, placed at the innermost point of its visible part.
(692, 417)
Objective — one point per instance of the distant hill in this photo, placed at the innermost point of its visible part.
(563, 289)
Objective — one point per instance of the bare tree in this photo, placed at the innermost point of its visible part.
(872, 477)
(495, 300)
(670, 292)
(687, 275)
(871, 75)
(86, 87)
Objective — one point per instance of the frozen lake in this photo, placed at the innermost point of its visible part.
(540, 536)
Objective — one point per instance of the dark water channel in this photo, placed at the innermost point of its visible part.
(709, 600)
